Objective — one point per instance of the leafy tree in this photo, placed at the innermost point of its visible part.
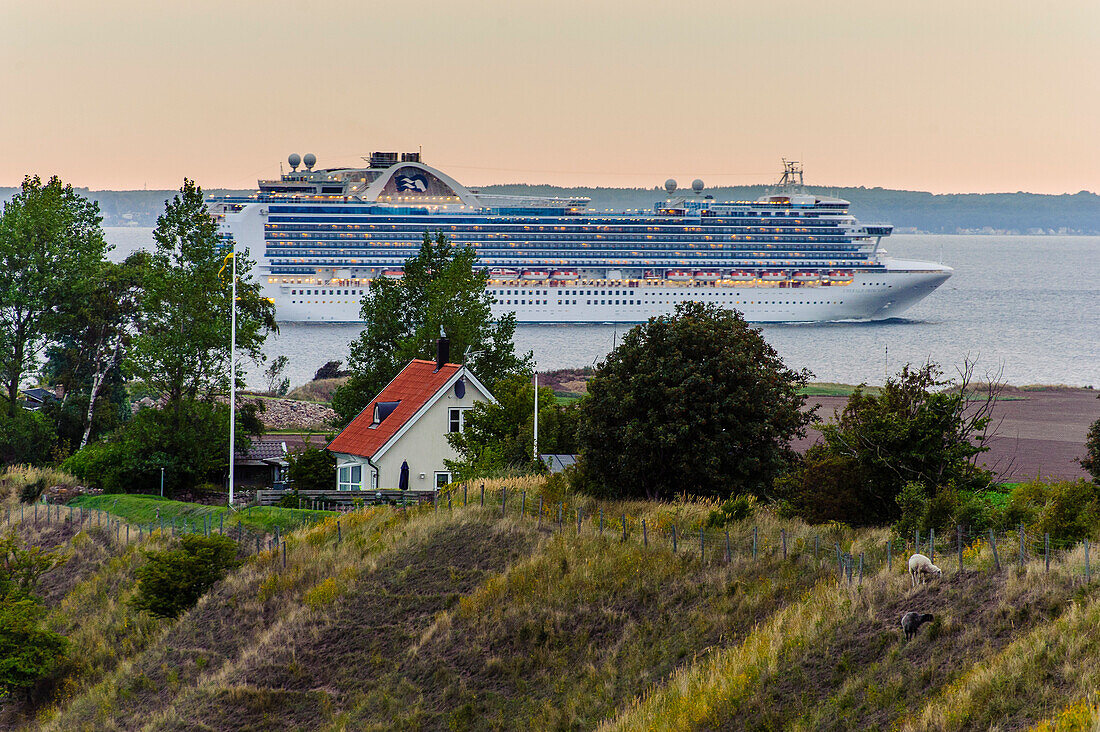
(28, 651)
(499, 437)
(331, 370)
(311, 469)
(173, 580)
(696, 402)
(95, 331)
(190, 443)
(182, 346)
(25, 437)
(50, 246)
(1091, 461)
(441, 292)
(914, 431)
(277, 384)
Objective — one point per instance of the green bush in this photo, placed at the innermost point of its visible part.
(32, 491)
(25, 437)
(311, 469)
(173, 580)
(736, 508)
(28, 651)
(1071, 513)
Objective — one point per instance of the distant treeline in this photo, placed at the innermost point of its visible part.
(916, 211)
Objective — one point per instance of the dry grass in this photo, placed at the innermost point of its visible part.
(320, 390)
(16, 477)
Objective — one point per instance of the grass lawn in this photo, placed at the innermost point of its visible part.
(141, 509)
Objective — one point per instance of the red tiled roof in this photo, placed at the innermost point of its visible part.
(413, 387)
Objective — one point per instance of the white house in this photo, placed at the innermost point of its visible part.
(408, 422)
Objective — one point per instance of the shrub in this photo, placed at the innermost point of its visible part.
(25, 437)
(173, 580)
(311, 469)
(1091, 461)
(736, 508)
(825, 488)
(31, 492)
(1072, 511)
(28, 651)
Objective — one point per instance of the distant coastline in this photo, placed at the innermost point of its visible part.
(911, 212)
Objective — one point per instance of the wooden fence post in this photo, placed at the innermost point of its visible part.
(578, 520)
(916, 541)
(540, 513)
(523, 503)
(503, 500)
(889, 547)
(817, 539)
(932, 545)
(700, 544)
(754, 542)
(284, 555)
(601, 522)
(465, 495)
(727, 546)
(483, 495)
(839, 561)
(559, 516)
(861, 569)
(1021, 545)
(1088, 574)
(645, 536)
(993, 545)
(674, 538)
(783, 536)
(959, 541)
(339, 532)
(1046, 550)
(624, 528)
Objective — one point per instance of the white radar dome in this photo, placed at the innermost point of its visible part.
(670, 185)
(309, 160)
(697, 185)
(295, 160)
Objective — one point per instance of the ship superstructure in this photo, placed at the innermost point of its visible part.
(321, 235)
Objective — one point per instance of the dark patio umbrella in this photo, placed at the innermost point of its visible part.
(403, 481)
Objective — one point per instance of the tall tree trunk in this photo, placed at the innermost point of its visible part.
(98, 378)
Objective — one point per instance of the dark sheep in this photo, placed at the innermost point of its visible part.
(911, 623)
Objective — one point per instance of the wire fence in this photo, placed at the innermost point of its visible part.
(805, 547)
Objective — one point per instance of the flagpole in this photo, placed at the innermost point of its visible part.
(536, 440)
(232, 374)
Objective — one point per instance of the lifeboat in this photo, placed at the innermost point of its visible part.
(806, 277)
(499, 273)
(773, 276)
(393, 274)
(742, 276)
(563, 274)
(708, 276)
(678, 275)
(535, 275)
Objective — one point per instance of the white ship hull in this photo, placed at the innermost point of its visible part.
(871, 295)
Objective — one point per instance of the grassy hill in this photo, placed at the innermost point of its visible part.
(471, 617)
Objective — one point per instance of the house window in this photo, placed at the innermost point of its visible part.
(456, 419)
(350, 478)
(442, 479)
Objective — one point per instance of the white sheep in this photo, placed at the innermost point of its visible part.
(919, 566)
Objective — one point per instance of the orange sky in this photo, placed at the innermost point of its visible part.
(942, 96)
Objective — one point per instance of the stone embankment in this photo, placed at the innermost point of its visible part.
(276, 414)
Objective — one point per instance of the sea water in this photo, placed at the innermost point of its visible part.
(1024, 309)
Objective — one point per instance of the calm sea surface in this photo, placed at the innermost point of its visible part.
(1025, 307)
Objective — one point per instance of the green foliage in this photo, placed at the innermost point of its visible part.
(733, 509)
(331, 370)
(440, 292)
(51, 244)
(1091, 461)
(86, 357)
(182, 346)
(498, 438)
(311, 469)
(25, 437)
(912, 431)
(173, 580)
(31, 492)
(277, 384)
(1068, 510)
(697, 402)
(188, 439)
(28, 652)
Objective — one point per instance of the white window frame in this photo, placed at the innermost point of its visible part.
(461, 411)
(346, 476)
(438, 473)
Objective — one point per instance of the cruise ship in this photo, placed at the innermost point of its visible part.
(320, 236)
